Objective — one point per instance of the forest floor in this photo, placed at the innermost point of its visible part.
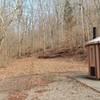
(44, 79)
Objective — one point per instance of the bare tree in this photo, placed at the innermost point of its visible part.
(28, 26)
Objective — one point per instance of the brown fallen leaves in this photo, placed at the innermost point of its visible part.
(15, 95)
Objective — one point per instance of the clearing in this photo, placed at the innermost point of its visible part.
(44, 79)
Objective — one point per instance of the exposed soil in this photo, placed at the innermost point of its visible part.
(63, 88)
(33, 65)
(44, 79)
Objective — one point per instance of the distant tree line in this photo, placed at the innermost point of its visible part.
(30, 26)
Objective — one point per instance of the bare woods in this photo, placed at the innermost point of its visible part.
(28, 26)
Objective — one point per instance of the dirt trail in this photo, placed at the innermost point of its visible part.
(44, 79)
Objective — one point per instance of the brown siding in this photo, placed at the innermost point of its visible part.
(94, 59)
(92, 56)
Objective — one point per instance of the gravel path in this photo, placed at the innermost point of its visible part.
(39, 79)
(64, 90)
(53, 87)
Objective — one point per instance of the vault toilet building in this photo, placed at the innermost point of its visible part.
(93, 48)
